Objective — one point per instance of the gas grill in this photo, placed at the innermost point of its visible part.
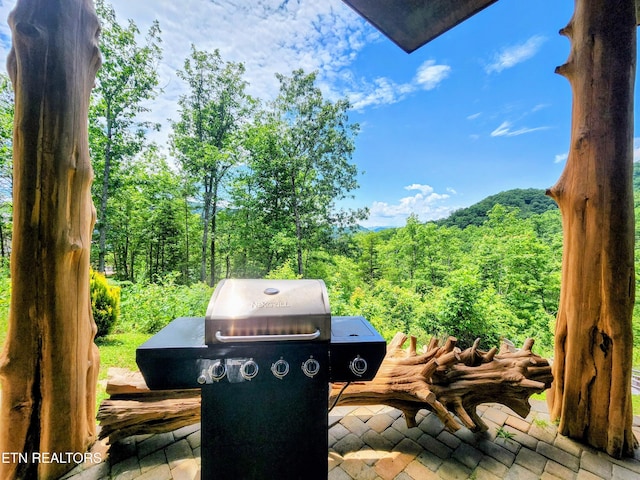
(263, 356)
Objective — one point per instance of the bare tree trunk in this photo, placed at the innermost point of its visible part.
(206, 218)
(214, 228)
(49, 365)
(591, 395)
(104, 196)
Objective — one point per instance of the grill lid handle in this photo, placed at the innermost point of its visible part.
(266, 338)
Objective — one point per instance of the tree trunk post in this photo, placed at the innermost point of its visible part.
(591, 394)
(49, 364)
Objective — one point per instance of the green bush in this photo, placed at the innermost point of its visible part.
(105, 303)
(283, 272)
(146, 308)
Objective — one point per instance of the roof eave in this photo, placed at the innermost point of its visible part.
(412, 23)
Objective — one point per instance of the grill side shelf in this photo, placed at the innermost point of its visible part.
(168, 360)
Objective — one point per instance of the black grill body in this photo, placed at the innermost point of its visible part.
(356, 350)
(268, 428)
(170, 360)
(264, 394)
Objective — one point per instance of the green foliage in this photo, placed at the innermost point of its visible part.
(105, 303)
(127, 78)
(541, 422)
(528, 202)
(392, 308)
(283, 272)
(154, 223)
(205, 138)
(6, 164)
(147, 307)
(5, 301)
(501, 432)
(465, 310)
(299, 151)
(498, 280)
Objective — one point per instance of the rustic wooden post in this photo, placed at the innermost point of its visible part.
(49, 365)
(591, 395)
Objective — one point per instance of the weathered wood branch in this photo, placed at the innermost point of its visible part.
(443, 379)
(451, 382)
(133, 409)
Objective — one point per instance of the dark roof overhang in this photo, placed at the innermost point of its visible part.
(412, 23)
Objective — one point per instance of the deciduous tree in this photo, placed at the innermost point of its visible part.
(211, 113)
(128, 78)
(300, 167)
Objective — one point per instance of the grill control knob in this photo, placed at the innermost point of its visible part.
(217, 371)
(249, 370)
(310, 367)
(358, 366)
(280, 368)
(202, 378)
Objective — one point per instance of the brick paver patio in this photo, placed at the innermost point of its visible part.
(374, 443)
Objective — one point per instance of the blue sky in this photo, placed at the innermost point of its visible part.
(476, 111)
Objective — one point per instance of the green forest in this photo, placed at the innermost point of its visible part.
(250, 188)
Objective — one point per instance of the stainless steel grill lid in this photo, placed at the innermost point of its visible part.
(251, 310)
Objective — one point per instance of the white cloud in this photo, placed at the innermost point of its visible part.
(268, 36)
(423, 189)
(384, 91)
(430, 75)
(426, 204)
(474, 116)
(504, 130)
(561, 157)
(540, 106)
(511, 56)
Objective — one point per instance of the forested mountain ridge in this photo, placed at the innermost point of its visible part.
(530, 201)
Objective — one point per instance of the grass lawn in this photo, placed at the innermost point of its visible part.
(117, 350)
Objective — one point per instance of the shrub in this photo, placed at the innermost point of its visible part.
(147, 307)
(283, 272)
(105, 303)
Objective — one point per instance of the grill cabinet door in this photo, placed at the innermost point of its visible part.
(268, 428)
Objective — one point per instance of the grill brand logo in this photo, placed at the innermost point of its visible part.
(270, 304)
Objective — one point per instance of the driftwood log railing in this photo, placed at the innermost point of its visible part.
(443, 379)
